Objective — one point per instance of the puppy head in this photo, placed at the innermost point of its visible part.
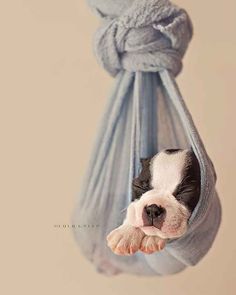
(165, 193)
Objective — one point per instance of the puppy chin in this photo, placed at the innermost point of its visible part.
(165, 233)
(175, 222)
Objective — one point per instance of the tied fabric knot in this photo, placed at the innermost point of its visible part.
(149, 36)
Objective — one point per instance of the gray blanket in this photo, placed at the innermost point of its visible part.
(141, 43)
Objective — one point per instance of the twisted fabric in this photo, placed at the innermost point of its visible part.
(142, 43)
(151, 35)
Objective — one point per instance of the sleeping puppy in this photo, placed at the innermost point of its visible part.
(163, 197)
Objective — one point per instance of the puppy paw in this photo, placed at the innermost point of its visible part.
(125, 240)
(151, 244)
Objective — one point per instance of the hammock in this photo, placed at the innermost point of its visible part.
(141, 43)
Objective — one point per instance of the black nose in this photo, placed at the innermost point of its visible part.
(154, 211)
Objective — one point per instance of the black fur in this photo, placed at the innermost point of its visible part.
(172, 151)
(141, 184)
(188, 191)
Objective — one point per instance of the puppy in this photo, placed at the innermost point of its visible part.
(163, 197)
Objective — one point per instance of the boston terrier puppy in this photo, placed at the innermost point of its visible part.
(164, 195)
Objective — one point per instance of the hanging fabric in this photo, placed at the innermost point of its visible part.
(141, 43)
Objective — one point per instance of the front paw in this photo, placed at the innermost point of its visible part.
(151, 244)
(125, 240)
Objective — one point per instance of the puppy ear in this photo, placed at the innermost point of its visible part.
(145, 162)
(141, 183)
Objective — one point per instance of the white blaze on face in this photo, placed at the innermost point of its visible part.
(166, 174)
(167, 170)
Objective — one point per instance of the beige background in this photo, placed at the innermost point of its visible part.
(49, 115)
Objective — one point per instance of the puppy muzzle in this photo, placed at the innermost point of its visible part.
(159, 214)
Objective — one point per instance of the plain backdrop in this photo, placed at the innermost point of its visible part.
(52, 95)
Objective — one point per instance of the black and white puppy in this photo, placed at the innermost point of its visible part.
(164, 195)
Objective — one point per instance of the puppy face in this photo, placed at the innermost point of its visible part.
(165, 193)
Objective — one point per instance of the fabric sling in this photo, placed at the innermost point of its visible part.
(141, 43)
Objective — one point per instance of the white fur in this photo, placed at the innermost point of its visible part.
(166, 170)
(127, 240)
(175, 222)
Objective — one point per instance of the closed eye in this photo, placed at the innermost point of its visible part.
(142, 185)
(185, 189)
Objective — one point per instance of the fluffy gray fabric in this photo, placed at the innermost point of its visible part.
(149, 36)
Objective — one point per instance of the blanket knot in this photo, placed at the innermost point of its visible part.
(149, 36)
